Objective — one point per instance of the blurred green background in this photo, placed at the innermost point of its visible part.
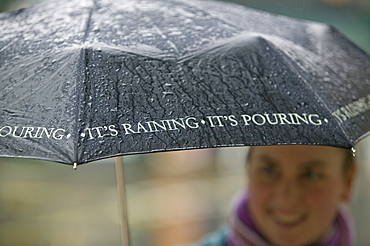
(173, 197)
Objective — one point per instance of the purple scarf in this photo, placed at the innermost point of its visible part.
(244, 233)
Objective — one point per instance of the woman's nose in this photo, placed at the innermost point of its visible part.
(288, 189)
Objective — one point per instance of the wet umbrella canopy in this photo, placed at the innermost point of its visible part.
(82, 80)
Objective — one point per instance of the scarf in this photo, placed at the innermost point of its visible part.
(242, 231)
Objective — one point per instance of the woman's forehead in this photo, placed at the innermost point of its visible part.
(304, 154)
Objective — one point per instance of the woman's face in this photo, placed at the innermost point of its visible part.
(295, 191)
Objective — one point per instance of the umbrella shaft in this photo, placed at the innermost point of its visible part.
(121, 195)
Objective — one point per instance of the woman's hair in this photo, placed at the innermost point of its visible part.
(349, 160)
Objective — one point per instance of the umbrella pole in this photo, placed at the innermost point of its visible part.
(121, 195)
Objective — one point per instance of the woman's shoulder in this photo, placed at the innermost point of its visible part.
(217, 238)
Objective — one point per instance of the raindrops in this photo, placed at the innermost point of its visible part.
(167, 93)
(174, 33)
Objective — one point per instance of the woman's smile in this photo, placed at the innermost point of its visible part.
(287, 219)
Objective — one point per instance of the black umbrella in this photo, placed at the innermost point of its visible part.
(82, 80)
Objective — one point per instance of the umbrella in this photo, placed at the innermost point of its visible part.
(85, 80)
(82, 80)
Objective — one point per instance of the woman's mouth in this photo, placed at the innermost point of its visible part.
(288, 219)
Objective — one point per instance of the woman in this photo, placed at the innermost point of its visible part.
(295, 196)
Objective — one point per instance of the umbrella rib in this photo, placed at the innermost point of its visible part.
(172, 44)
(237, 27)
(79, 90)
(88, 22)
(307, 85)
(80, 93)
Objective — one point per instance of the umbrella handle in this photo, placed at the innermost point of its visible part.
(121, 195)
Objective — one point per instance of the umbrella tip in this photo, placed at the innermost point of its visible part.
(75, 166)
(353, 151)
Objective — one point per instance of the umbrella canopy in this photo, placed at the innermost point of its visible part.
(82, 80)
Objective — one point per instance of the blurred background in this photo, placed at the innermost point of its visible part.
(173, 198)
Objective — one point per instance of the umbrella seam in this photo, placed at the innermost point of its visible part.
(237, 27)
(80, 82)
(80, 94)
(307, 85)
(88, 22)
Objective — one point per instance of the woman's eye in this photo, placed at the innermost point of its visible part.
(313, 175)
(269, 170)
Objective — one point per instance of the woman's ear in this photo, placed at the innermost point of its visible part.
(349, 182)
